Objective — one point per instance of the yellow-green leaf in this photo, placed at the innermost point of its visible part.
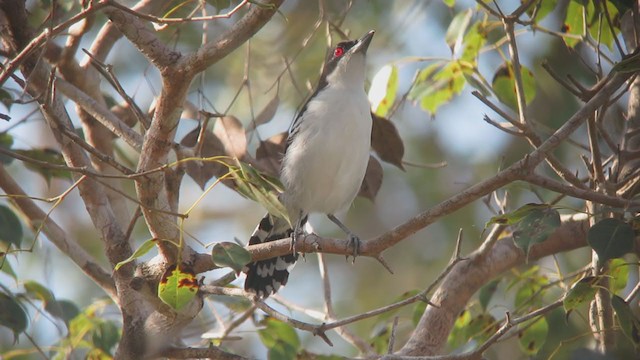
(473, 41)
(504, 85)
(37, 291)
(516, 215)
(438, 83)
(535, 228)
(457, 28)
(619, 271)
(574, 22)
(177, 287)
(280, 339)
(581, 292)
(533, 335)
(384, 87)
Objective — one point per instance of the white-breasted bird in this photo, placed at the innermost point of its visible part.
(324, 163)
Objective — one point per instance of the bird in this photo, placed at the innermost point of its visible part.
(325, 161)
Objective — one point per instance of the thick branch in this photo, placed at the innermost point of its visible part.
(232, 38)
(468, 276)
(143, 38)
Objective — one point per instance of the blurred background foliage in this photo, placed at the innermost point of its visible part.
(409, 35)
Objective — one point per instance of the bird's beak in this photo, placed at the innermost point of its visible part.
(363, 42)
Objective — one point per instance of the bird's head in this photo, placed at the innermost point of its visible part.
(346, 62)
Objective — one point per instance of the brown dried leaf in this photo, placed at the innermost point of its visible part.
(231, 133)
(270, 153)
(372, 180)
(202, 171)
(386, 141)
(266, 114)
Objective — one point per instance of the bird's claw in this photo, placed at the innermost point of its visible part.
(295, 235)
(354, 245)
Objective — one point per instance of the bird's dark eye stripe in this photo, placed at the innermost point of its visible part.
(343, 47)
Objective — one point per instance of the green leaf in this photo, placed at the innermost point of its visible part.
(611, 238)
(438, 83)
(458, 335)
(385, 80)
(49, 156)
(622, 5)
(629, 323)
(6, 267)
(230, 255)
(533, 335)
(473, 41)
(12, 315)
(6, 141)
(535, 228)
(545, 7)
(574, 22)
(177, 288)
(504, 85)
(380, 335)
(516, 215)
(619, 271)
(37, 291)
(62, 309)
(599, 26)
(457, 28)
(481, 327)
(280, 339)
(10, 227)
(530, 288)
(467, 328)
(105, 336)
(449, 3)
(140, 251)
(581, 292)
(486, 293)
(79, 327)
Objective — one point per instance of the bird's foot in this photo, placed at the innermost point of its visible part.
(296, 234)
(354, 245)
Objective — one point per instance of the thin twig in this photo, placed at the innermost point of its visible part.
(160, 20)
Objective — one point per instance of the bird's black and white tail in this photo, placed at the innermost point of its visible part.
(265, 277)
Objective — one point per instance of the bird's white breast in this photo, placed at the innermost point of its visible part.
(325, 164)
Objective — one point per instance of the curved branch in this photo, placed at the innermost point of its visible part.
(143, 38)
(468, 276)
(232, 38)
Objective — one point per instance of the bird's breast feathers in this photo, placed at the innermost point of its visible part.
(326, 161)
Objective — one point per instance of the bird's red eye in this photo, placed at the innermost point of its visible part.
(338, 51)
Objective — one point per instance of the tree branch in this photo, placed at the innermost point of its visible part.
(468, 276)
(232, 38)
